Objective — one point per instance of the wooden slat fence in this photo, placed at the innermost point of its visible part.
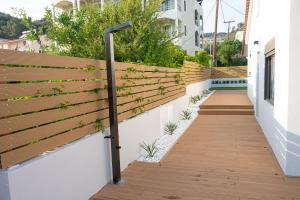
(47, 101)
(193, 72)
(229, 72)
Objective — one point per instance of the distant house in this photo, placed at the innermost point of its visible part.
(274, 76)
(183, 17)
(23, 44)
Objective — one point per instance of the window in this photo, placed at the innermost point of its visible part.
(196, 18)
(201, 22)
(269, 78)
(168, 30)
(167, 5)
(179, 27)
(184, 6)
(185, 31)
(196, 38)
(269, 71)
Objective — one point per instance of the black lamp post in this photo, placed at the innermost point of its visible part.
(112, 99)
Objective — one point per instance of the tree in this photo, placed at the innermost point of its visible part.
(81, 34)
(203, 58)
(10, 27)
(228, 51)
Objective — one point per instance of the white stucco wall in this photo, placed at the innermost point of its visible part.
(78, 170)
(293, 126)
(276, 121)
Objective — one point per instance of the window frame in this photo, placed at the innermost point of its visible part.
(269, 89)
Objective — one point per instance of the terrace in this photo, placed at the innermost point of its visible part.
(221, 156)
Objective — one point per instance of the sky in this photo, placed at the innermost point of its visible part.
(36, 8)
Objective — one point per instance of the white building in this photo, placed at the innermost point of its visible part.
(178, 17)
(23, 44)
(274, 75)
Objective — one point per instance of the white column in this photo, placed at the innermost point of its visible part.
(53, 12)
(102, 4)
(78, 4)
(74, 7)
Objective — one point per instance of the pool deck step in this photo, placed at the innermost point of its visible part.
(227, 106)
(234, 111)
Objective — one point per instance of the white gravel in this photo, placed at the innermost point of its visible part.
(165, 143)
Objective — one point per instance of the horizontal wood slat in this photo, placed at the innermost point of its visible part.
(24, 58)
(8, 91)
(194, 72)
(9, 74)
(27, 136)
(9, 108)
(47, 101)
(229, 72)
(15, 123)
(30, 59)
(16, 156)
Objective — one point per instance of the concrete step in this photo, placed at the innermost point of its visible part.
(226, 111)
(227, 107)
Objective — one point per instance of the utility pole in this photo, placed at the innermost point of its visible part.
(245, 26)
(215, 34)
(228, 29)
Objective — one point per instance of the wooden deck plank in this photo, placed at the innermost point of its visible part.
(219, 157)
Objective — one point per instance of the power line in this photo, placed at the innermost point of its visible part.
(224, 20)
(233, 8)
(209, 12)
(222, 10)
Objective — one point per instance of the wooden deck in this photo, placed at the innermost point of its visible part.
(219, 157)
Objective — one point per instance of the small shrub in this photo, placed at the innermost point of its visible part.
(99, 125)
(151, 149)
(178, 78)
(206, 92)
(170, 128)
(186, 115)
(64, 105)
(190, 58)
(162, 90)
(195, 99)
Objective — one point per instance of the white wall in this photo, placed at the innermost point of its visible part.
(78, 170)
(268, 20)
(293, 139)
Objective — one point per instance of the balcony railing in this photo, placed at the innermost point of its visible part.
(167, 5)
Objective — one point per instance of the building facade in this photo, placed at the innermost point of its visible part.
(274, 75)
(23, 44)
(178, 17)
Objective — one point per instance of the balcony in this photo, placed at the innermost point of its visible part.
(167, 5)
